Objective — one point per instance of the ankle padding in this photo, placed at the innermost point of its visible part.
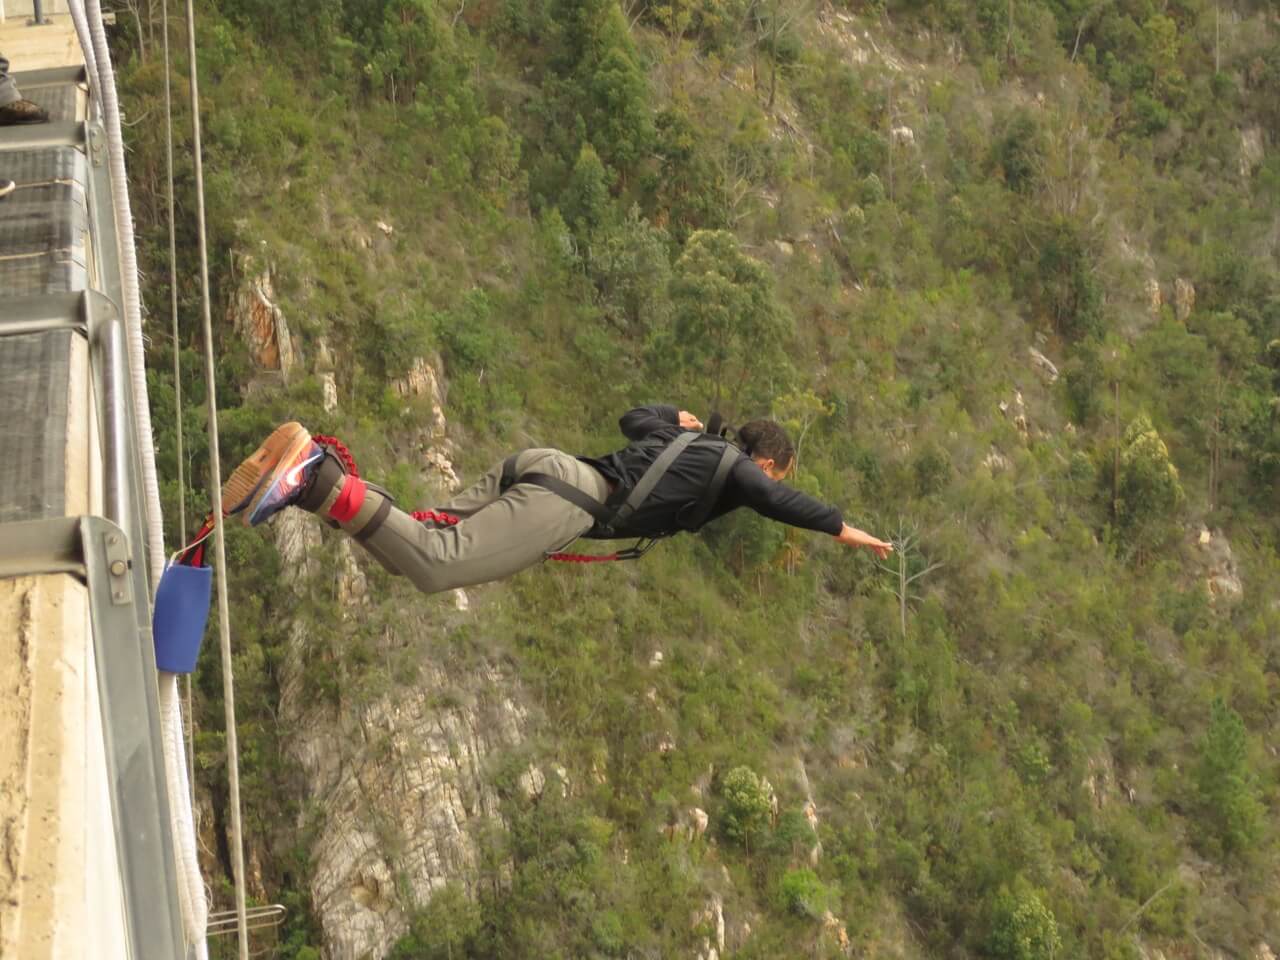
(325, 486)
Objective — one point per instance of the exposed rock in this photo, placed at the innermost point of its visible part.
(532, 782)
(423, 381)
(395, 782)
(385, 227)
(711, 915)
(667, 744)
(811, 813)
(904, 135)
(1263, 952)
(1220, 570)
(324, 356)
(563, 776)
(1252, 150)
(1155, 299)
(353, 588)
(329, 392)
(834, 930)
(1184, 299)
(1016, 411)
(1044, 366)
(440, 468)
(699, 819)
(784, 248)
(996, 462)
(1100, 780)
(656, 659)
(254, 315)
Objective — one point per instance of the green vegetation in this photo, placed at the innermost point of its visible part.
(1040, 731)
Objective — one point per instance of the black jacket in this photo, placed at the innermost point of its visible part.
(650, 429)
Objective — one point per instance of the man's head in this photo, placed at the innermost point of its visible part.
(765, 442)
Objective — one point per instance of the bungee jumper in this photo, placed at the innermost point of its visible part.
(673, 476)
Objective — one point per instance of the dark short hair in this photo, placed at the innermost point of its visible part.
(766, 438)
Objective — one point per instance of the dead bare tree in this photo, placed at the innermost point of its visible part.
(906, 546)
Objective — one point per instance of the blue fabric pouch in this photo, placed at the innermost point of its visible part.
(180, 615)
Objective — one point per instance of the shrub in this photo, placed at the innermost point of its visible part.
(747, 805)
(1023, 928)
(804, 894)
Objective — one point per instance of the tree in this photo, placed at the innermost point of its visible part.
(628, 262)
(1148, 494)
(747, 805)
(1225, 788)
(1067, 278)
(585, 201)
(906, 567)
(728, 326)
(1023, 928)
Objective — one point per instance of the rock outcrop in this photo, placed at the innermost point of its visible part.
(396, 781)
(1219, 567)
(1184, 299)
(253, 314)
(1252, 150)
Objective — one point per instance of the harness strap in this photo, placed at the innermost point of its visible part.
(650, 478)
(728, 458)
(567, 491)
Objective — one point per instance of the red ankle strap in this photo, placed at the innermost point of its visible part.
(350, 500)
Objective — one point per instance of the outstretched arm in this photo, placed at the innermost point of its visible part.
(777, 501)
(853, 537)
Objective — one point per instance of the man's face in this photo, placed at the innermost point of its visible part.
(772, 470)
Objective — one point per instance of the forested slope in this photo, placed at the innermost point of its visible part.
(1009, 269)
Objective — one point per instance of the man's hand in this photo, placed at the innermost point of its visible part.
(853, 537)
(689, 421)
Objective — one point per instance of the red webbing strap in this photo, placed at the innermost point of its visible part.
(340, 451)
(582, 557)
(434, 516)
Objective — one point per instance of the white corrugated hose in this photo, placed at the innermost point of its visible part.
(191, 890)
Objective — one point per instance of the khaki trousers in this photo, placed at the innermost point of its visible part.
(498, 534)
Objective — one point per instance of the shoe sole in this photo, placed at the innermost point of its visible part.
(246, 486)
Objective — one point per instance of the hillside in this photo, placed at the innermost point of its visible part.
(1010, 271)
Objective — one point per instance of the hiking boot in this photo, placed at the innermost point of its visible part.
(274, 476)
(22, 111)
(7, 187)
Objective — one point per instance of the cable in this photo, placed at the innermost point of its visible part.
(215, 503)
(177, 365)
(89, 26)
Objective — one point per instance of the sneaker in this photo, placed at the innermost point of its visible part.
(274, 476)
(21, 111)
(7, 187)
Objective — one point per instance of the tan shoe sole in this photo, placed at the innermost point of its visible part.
(250, 481)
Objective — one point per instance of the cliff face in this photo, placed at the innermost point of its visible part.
(397, 784)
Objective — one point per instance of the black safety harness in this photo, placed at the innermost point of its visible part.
(623, 503)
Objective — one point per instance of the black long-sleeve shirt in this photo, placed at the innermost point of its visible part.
(650, 429)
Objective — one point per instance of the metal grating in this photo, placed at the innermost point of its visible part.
(35, 374)
(44, 225)
(58, 99)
